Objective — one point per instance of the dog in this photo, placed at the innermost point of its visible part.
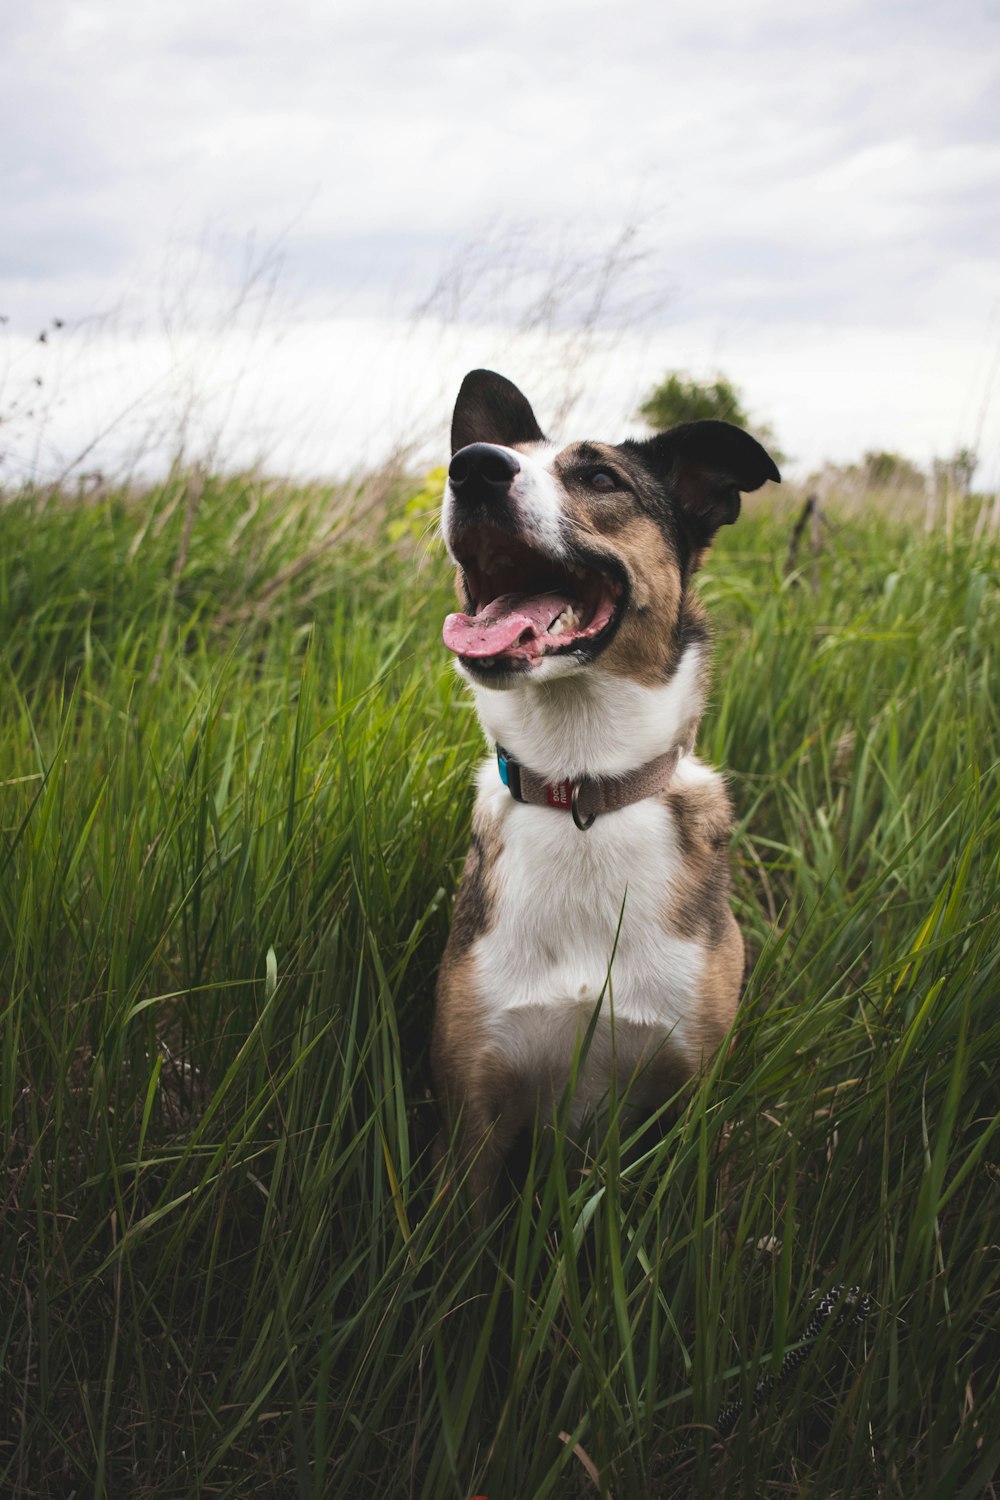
(592, 937)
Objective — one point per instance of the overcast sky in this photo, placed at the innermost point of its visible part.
(805, 199)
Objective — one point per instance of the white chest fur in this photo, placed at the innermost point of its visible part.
(576, 914)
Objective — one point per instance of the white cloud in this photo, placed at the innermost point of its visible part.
(819, 190)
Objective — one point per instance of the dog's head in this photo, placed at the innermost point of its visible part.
(582, 554)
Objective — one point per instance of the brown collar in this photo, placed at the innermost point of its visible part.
(589, 795)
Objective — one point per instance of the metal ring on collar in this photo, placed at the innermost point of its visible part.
(575, 811)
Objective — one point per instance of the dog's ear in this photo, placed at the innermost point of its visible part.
(707, 465)
(490, 409)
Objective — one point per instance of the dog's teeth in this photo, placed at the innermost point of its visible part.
(568, 620)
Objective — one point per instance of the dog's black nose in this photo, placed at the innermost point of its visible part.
(483, 467)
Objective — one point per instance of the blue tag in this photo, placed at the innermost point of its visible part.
(502, 767)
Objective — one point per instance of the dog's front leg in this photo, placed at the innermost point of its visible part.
(485, 1110)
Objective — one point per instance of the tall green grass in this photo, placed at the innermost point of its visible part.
(234, 794)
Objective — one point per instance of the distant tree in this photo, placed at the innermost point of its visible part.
(677, 399)
(891, 471)
(963, 464)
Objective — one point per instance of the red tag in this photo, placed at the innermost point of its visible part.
(559, 793)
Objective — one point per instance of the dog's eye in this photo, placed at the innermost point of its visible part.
(602, 480)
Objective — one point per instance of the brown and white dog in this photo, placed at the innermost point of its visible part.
(599, 863)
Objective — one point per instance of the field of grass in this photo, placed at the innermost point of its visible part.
(234, 795)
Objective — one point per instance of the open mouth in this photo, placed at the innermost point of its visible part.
(525, 606)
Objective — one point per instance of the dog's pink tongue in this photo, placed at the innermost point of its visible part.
(512, 625)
